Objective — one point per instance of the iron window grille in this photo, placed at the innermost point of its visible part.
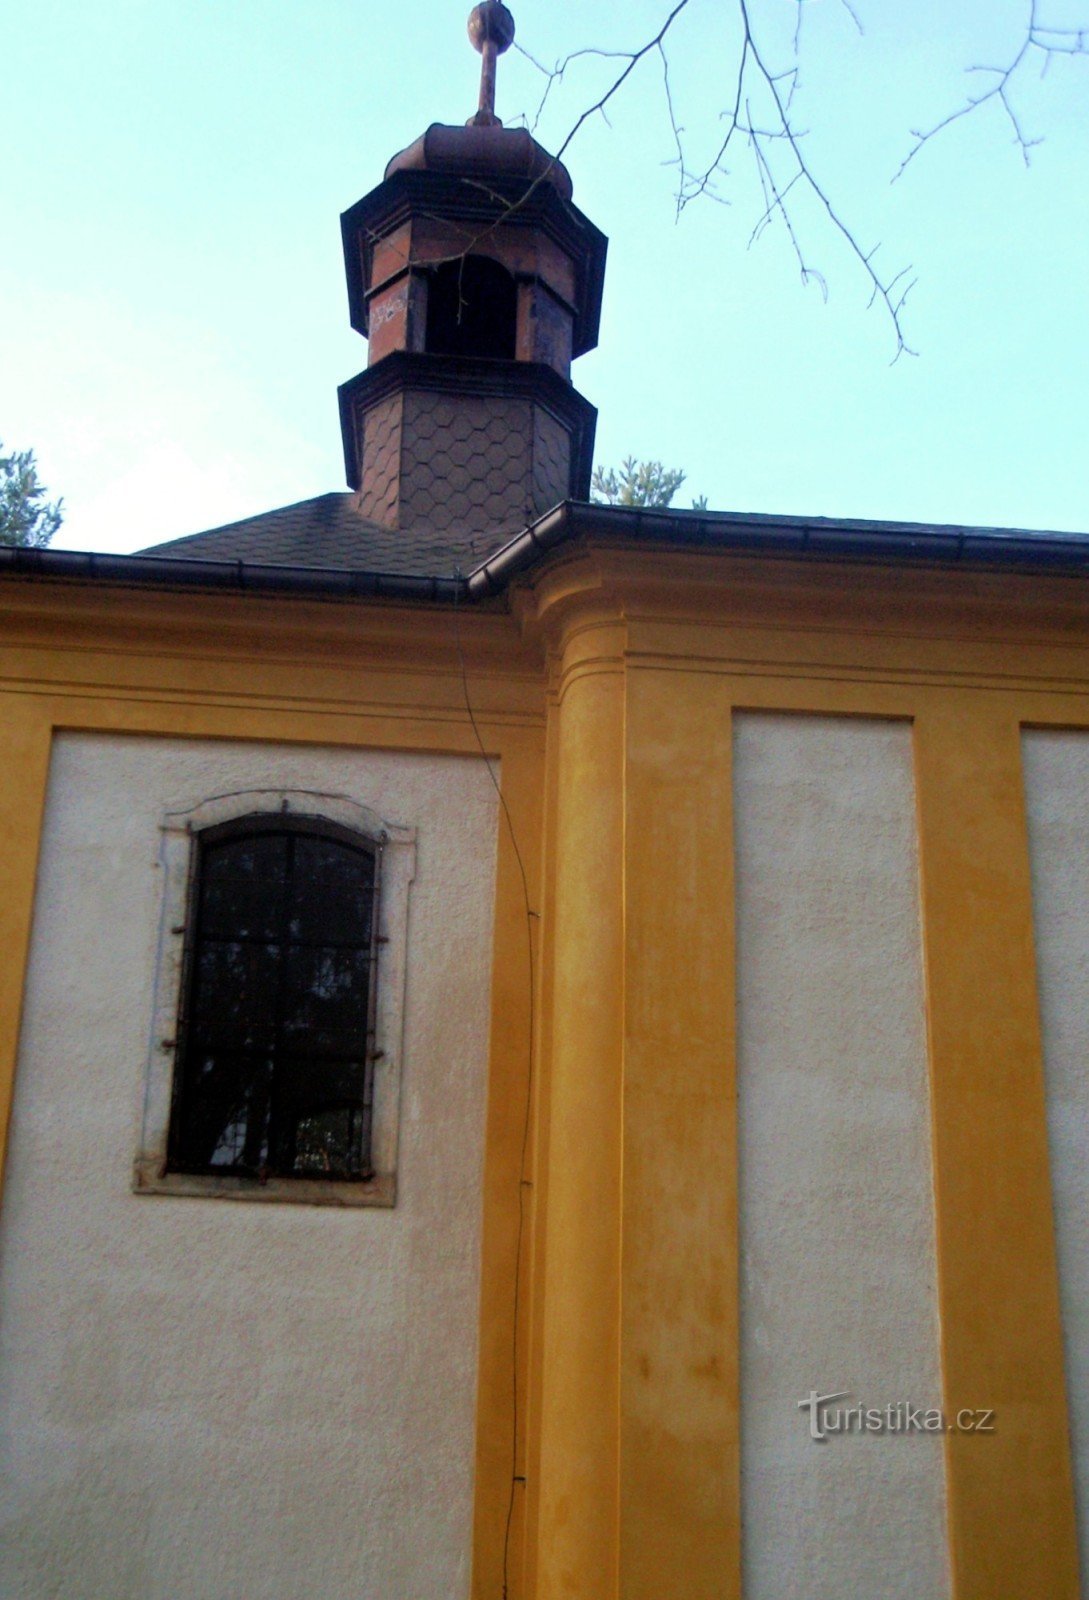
(276, 1038)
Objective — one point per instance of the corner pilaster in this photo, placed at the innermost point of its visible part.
(577, 1537)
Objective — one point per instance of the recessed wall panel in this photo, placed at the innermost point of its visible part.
(1056, 768)
(838, 1291)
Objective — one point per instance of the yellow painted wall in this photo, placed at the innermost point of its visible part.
(608, 692)
(633, 1409)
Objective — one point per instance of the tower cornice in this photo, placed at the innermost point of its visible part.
(463, 376)
(478, 206)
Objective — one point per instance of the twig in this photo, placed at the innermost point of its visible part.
(854, 16)
(880, 290)
(1047, 43)
(667, 90)
(740, 123)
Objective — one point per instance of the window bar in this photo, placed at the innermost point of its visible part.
(372, 1053)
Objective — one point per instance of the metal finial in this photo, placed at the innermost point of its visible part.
(491, 29)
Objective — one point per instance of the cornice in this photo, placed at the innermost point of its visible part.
(771, 616)
(48, 628)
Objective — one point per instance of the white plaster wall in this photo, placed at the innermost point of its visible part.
(838, 1259)
(1056, 769)
(204, 1399)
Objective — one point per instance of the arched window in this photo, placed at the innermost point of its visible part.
(276, 1042)
(472, 309)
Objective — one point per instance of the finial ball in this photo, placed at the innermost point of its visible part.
(491, 22)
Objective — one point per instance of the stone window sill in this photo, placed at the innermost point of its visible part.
(149, 1179)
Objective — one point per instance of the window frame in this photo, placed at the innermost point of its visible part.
(271, 824)
(181, 833)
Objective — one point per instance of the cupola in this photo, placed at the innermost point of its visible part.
(477, 281)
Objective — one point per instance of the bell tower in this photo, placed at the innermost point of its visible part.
(477, 281)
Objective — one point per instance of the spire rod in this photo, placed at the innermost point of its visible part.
(491, 29)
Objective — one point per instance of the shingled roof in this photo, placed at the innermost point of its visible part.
(331, 531)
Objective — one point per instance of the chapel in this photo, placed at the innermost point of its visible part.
(542, 1044)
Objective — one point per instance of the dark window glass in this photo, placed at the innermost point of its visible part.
(472, 309)
(277, 1031)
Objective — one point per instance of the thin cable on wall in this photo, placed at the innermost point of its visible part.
(522, 1180)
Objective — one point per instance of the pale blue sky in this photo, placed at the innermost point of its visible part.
(173, 320)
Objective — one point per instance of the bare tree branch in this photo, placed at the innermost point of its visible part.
(633, 60)
(759, 118)
(854, 16)
(667, 90)
(753, 67)
(776, 203)
(754, 76)
(1038, 41)
(801, 4)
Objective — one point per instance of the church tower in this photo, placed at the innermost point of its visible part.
(477, 281)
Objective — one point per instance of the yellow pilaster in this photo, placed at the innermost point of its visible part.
(679, 1495)
(24, 767)
(1010, 1499)
(504, 1315)
(535, 1193)
(577, 1544)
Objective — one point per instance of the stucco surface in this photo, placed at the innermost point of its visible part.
(1057, 794)
(203, 1399)
(838, 1261)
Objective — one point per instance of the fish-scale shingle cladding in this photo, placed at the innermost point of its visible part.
(331, 531)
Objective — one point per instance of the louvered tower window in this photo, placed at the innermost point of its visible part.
(276, 1043)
